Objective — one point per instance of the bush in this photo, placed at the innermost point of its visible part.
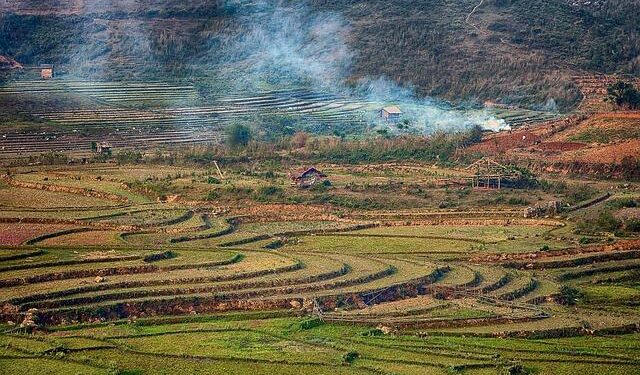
(311, 323)
(212, 195)
(238, 135)
(350, 357)
(633, 225)
(161, 256)
(544, 248)
(569, 295)
(623, 94)
(373, 333)
(213, 180)
(516, 369)
(587, 240)
(607, 222)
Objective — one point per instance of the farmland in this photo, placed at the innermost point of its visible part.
(71, 114)
(254, 187)
(108, 279)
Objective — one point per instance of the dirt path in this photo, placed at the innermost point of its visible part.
(468, 19)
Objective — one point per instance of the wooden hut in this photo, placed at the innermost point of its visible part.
(391, 113)
(306, 177)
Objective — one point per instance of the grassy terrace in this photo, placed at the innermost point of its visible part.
(245, 282)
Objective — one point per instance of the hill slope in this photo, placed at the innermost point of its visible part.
(499, 50)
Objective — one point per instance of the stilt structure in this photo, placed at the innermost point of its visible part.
(489, 174)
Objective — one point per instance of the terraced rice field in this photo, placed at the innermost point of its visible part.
(144, 287)
(148, 114)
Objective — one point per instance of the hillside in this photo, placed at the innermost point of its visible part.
(498, 50)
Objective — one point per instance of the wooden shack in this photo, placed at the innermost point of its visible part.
(391, 113)
(101, 147)
(489, 174)
(46, 71)
(306, 177)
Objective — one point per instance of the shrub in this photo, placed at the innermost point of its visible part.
(350, 357)
(238, 135)
(267, 192)
(623, 94)
(373, 332)
(569, 295)
(587, 240)
(606, 221)
(275, 244)
(213, 180)
(311, 323)
(161, 256)
(516, 369)
(544, 248)
(212, 195)
(633, 225)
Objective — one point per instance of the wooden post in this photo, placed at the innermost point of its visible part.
(218, 169)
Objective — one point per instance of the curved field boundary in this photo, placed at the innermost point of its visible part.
(591, 202)
(199, 304)
(520, 292)
(371, 235)
(504, 258)
(565, 263)
(53, 303)
(597, 271)
(66, 189)
(229, 229)
(438, 322)
(231, 293)
(28, 254)
(443, 216)
(125, 270)
(176, 220)
(36, 220)
(16, 267)
(47, 236)
(64, 208)
(261, 237)
(548, 333)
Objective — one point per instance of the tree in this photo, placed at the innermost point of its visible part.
(623, 94)
(238, 135)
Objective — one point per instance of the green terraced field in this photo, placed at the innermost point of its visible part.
(142, 287)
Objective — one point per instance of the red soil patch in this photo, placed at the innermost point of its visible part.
(559, 146)
(17, 233)
(608, 154)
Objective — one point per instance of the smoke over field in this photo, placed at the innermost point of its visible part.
(289, 44)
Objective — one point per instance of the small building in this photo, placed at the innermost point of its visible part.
(46, 71)
(391, 113)
(101, 147)
(307, 177)
(489, 174)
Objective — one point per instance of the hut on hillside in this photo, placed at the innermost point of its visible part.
(103, 148)
(306, 177)
(391, 113)
(46, 71)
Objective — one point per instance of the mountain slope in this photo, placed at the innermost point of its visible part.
(505, 51)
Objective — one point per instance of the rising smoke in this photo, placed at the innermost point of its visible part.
(289, 44)
(262, 45)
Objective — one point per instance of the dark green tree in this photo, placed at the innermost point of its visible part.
(238, 135)
(623, 94)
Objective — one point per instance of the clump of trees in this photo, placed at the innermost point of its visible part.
(623, 94)
(238, 135)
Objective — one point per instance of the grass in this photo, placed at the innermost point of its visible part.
(180, 314)
(379, 245)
